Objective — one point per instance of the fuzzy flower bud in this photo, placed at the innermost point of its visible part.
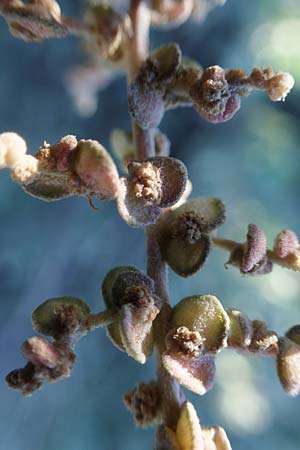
(213, 99)
(145, 404)
(107, 30)
(277, 84)
(251, 257)
(34, 21)
(146, 92)
(40, 351)
(96, 169)
(12, 149)
(285, 243)
(156, 183)
(25, 170)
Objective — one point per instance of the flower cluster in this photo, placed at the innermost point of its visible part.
(65, 319)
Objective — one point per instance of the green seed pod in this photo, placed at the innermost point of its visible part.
(109, 281)
(60, 316)
(184, 233)
(113, 330)
(205, 314)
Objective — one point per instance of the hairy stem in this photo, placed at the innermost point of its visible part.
(102, 319)
(156, 267)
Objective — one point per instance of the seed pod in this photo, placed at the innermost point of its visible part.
(205, 314)
(195, 374)
(184, 233)
(60, 316)
(288, 366)
(113, 330)
(136, 329)
(96, 169)
(241, 330)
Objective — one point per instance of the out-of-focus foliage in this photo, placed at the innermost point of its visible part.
(66, 248)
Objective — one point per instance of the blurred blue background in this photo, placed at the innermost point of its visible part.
(66, 248)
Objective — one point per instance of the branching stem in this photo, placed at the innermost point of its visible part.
(156, 267)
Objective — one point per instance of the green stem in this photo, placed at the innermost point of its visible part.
(102, 319)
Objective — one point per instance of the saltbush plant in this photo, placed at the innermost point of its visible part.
(154, 193)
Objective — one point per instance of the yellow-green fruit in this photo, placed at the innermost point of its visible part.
(205, 314)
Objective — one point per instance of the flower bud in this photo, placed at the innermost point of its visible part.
(107, 27)
(285, 243)
(25, 171)
(63, 151)
(40, 351)
(152, 184)
(96, 169)
(251, 257)
(12, 149)
(263, 340)
(34, 21)
(213, 98)
(113, 330)
(170, 13)
(145, 403)
(215, 438)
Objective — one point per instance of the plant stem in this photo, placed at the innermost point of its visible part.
(156, 267)
(291, 261)
(102, 319)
